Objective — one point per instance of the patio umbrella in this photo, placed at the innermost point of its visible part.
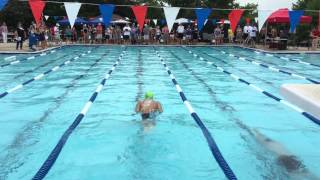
(184, 21)
(282, 16)
(79, 21)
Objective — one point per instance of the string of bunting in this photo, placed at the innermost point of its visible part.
(140, 12)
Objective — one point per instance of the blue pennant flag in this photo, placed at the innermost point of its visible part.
(106, 12)
(162, 21)
(3, 4)
(295, 17)
(202, 16)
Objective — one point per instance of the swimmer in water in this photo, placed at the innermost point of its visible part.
(148, 108)
(294, 167)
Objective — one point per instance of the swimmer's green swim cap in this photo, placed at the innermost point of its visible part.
(148, 95)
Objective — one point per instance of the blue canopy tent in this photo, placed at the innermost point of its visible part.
(96, 21)
(79, 21)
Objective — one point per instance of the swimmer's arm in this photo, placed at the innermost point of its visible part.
(138, 107)
(159, 107)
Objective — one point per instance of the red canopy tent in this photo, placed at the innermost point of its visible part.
(282, 16)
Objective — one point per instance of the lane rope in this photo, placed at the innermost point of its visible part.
(39, 67)
(49, 162)
(26, 59)
(40, 76)
(272, 68)
(288, 59)
(270, 95)
(23, 138)
(211, 142)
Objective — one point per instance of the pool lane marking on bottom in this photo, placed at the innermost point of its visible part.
(289, 59)
(211, 142)
(25, 59)
(40, 76)
(270, 95)
(272, 68)
(49, 162)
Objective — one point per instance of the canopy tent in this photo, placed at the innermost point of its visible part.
(96, 20)
(120, 21)
(282, 16)
(183, 21)
(79, 21)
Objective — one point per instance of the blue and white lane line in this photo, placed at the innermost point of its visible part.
(10, 58)
(289, 59)
(49, 162)
(211, 142)
(282, 101)
(26, 59)
(40, 76)
(272, 68)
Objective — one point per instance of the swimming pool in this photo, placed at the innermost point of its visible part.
(43, 96)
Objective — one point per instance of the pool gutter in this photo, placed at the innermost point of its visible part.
(305, 96)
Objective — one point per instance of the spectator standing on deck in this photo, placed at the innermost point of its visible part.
(315, 36)
(246, 30)
(146, 34)
(74, 38)
(253, 35)
(4, 32)
(165, 34)
(180, 31)
(126, 34)
(239, 35)
(99, 33)
(134, 34)
(85, 34)
(230, 35)
(108, 34)
(20, 35)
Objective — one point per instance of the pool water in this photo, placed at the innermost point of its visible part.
(111, 142)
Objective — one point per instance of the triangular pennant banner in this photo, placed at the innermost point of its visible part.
(171, 15)
(140, 13)
(3, 4)
(106, 12)
(37, 7)
(234, 18)
(72, 10)
(46, 17)
(295, 17)
(155, 21)
(202, 16)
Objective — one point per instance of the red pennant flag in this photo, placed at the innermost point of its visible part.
(140, 12)
(234, 18)
(222, 21)
(37, 7)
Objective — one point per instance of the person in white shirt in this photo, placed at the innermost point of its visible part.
(180, 32)
(126, 33)
(246, 30)
(252, 35)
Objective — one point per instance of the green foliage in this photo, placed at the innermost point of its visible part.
(309, 5)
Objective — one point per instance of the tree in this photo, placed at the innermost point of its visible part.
(309, 5)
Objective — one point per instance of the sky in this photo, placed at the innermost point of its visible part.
(284, 3)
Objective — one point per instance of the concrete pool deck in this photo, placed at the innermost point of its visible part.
(305, 96)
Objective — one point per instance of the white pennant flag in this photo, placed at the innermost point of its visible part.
(171, 15)
(155, 21)
(46, 17)
(267, 7)
(72, 10)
